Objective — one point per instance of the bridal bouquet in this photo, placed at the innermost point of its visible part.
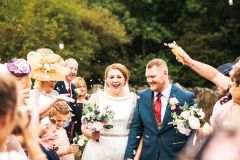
(188, 119)
(95, 120)
(80, 140)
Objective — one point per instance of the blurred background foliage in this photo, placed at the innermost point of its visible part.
(100, 32)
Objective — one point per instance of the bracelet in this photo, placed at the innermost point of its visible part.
(41, 156)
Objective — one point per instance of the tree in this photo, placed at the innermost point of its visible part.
(85, 32)
(207, 30)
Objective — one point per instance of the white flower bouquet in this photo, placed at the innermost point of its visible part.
(80, 140)
(96, 120)
(188, 119)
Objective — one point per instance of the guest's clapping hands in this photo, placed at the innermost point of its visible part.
(24, 96)
(65, 97)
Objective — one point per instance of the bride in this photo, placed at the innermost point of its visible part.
(116, 94)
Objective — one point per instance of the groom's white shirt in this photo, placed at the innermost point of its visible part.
(164, 99)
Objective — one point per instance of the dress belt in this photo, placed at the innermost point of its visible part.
(114, 135)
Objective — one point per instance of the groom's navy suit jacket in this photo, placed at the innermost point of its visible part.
(162, 143)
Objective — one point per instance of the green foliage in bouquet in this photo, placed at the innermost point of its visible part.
(94, 118)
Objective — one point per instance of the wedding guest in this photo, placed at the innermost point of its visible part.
(152, 116)
(58, 115)
(66, 86)
(235, 93)
(207, 71)
(223, 108)
(206, 99)
(82, 96)
(47, 68)
(223, 144)
(81, 89)
(226, 111)
(121, 101)
(25, 119)
(19, 70)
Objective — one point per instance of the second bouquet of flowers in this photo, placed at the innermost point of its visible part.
(80, 140)
(95, 119)
(188, 119)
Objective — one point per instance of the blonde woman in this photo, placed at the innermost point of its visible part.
(81, 89)
(42, 95)
(81, 95)
(47, 69)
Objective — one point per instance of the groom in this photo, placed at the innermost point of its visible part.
(152, 115)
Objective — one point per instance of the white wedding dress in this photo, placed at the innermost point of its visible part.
(112, 142)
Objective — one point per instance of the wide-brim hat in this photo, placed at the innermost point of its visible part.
(47, 66)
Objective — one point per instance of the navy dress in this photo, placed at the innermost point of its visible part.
(77, 118)
(51, 154)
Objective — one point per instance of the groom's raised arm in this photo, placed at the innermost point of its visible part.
(135, 134)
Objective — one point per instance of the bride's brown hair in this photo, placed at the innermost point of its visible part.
(123, 69)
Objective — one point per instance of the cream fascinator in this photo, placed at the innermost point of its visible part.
(47, 66)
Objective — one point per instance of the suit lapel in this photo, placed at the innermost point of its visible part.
(168, 109)
(60, 87)
(148, 113)
(152, 111)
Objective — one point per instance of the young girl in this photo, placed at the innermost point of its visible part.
(58, 115)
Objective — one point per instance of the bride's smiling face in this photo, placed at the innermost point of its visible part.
(115, 79)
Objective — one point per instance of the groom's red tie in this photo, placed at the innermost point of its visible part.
(157, 108)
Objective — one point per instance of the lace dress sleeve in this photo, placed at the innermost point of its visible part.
(94, 98)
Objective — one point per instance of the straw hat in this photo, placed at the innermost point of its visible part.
(47, 66)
